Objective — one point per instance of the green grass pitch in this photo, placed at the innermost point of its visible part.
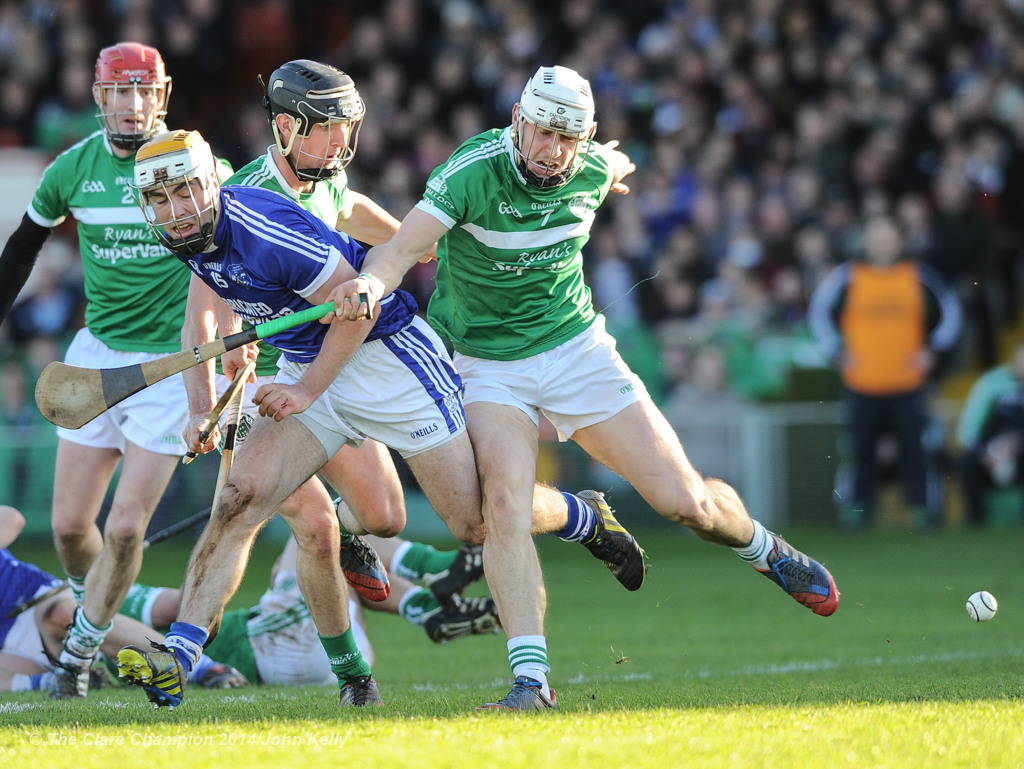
(709, 665)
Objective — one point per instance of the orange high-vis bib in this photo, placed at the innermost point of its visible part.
(883, 325)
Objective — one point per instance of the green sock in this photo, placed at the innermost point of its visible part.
(418, 560)
(346, 660)
(346, 537)
(417, 604)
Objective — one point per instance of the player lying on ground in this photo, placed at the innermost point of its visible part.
(31, 641)
(275, 642)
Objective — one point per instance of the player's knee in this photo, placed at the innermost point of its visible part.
(690, 510)
(234, 500)
(123, 537)
(319, 539)
(70, 529)
(470, 533)
(389, 526)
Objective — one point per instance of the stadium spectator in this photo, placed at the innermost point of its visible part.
(990, 432)
(883, 320)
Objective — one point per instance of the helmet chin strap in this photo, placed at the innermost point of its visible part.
(286, 150)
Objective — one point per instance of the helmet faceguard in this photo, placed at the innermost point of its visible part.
(177, 185)
(558, 102)
(315, 95)
(131, 91)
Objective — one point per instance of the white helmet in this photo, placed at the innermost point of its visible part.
(555, 99)
(164, 163)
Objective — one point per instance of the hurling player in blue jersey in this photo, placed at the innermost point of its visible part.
(265, 257)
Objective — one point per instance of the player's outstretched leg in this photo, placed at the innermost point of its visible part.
(526, 694)
(364, 570)
(462, 617)
(157, 671)
(801, 576)
(466, 569)
(360, 692)
(613, 545)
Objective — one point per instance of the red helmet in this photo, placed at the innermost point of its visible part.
(128, 65)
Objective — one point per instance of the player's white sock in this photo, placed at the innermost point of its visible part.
(77, 585)
(756, 553)
(85, 638)
(528, 656)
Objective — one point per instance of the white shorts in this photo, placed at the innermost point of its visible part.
(403, 391)
(153, 418)
(580, 383)
(284, 638)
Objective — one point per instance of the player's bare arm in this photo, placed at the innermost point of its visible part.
(385, 266)
(11, 524)
(367, 222)
(200, 327)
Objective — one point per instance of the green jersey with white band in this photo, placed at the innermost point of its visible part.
(325, 202)
(135, 288)
(509, 269)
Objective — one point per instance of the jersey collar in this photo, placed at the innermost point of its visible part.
(279, 177)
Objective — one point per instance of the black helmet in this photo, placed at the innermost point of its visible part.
(311, 93)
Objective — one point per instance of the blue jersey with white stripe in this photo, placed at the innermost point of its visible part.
(19, 581)
(271, 255)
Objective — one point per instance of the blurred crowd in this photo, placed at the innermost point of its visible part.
(764, 133)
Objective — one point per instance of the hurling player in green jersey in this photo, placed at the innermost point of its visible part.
(511, 211)
(135, 291)
(315, 112)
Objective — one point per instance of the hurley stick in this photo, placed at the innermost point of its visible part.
(70, 396)
(237, 387)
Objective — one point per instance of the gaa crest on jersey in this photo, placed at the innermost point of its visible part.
(238, 275)
(580, 205)
(438, 185)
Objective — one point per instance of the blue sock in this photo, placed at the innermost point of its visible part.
(187, 643)
(200, 668)
(42, 681)
(581, 523)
